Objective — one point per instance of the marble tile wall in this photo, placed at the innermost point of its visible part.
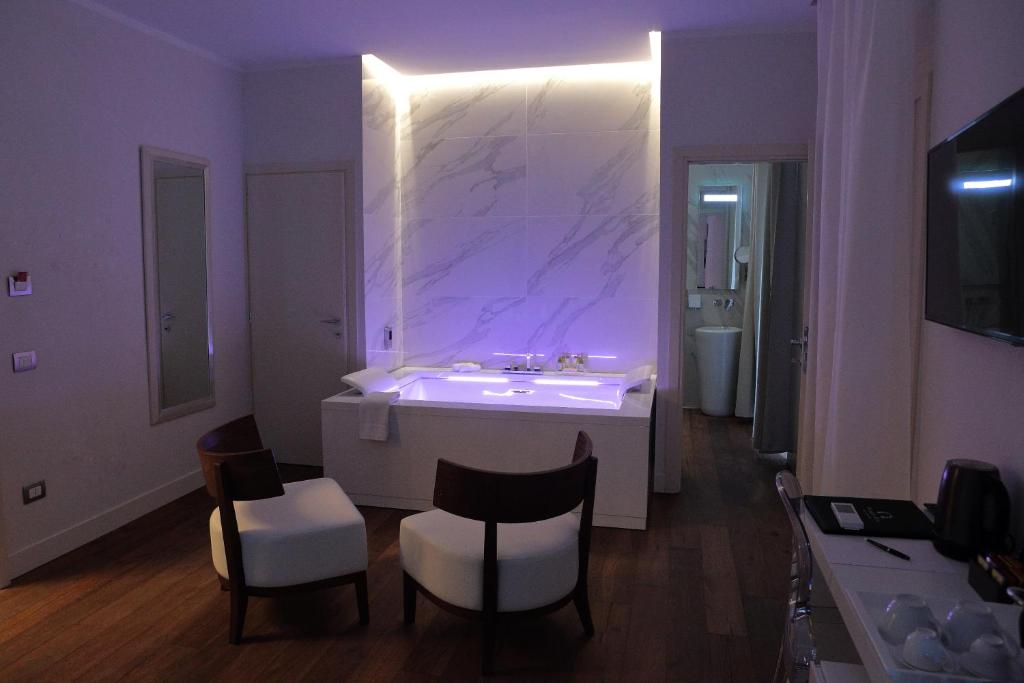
(740, 175)
(381, 227)
(529, 215)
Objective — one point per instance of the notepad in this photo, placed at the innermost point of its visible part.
(882, 517)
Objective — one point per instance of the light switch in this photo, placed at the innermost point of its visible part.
(693, 301)
(25, 361)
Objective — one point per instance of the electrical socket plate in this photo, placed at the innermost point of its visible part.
(33, 492)
(25, 361)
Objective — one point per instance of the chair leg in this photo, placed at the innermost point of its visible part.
(361, 599)
(409, 598)
(582, 601)
(487, 647)
(239, 601)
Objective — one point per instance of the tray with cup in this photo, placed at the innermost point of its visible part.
(933, 638)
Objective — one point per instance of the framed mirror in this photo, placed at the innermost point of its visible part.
(718, 225)
(176, 259)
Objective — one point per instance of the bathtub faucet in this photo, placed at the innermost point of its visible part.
(526, 368)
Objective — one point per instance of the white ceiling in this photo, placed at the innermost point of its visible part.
(430, 36)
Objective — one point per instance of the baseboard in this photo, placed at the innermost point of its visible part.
(52, 547)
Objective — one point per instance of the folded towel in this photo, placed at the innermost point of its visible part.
(370, 380)
(373, 415)
(466, 366)
(635, 378)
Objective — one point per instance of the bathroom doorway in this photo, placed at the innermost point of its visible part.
(739, 224)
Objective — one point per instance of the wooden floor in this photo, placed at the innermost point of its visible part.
(697, 597)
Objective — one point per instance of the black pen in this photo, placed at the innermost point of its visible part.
(891, 551)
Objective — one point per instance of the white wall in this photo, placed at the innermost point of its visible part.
(971, 391)
(721, 90)
(81, 93)
(303, 113)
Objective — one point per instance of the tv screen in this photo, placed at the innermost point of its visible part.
(975, 233)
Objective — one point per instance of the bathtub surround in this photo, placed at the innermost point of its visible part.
(494, 421)
(528, 213)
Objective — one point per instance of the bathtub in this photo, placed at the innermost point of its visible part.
(490, 420)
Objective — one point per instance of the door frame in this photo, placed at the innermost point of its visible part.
(352, 307)
(669, 427)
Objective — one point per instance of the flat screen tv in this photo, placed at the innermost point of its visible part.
(975, 226)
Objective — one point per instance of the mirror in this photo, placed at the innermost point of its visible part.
(176, 256)
(719, 225)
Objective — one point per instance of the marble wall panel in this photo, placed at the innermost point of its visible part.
(593, 173)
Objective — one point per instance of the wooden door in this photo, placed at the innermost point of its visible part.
(297, 299)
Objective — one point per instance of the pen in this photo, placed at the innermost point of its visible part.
(891, 551)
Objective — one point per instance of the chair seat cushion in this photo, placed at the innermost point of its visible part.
(538, 562)
(310, 533)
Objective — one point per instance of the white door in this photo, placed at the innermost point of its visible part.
(296, 235)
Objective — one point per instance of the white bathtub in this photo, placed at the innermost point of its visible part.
(513, 423)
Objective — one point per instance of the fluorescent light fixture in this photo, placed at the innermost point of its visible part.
(594, 355)
(483, 380)
(986, 184)
(721, 198)
(568, 382)
(655, 38)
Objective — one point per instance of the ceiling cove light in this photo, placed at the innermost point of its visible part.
(987, 184)
(720, 198)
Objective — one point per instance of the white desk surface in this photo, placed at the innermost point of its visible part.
(849, 565)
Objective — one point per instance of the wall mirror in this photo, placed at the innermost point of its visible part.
(176, 256)
(718, 225)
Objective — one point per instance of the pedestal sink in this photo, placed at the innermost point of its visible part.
(718, 355)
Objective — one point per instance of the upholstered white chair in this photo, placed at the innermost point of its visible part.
(502, 546)
(269, 538)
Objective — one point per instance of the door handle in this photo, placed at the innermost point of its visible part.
(331, 321)
(167, 316)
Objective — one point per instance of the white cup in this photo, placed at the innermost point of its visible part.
(924, 650)
(967, 622)
(991, 656)
(905, 613)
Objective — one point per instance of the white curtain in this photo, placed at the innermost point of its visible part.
(752, 296)
(863, 253)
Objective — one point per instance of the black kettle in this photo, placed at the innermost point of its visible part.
(972, 515)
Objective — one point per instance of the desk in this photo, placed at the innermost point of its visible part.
(850, 565)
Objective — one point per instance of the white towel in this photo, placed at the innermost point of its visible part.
(635, 378)
(373, 415)
(370, 380)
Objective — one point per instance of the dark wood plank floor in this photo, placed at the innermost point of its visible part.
(697, 597)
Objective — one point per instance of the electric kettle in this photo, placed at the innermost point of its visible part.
(973, 511)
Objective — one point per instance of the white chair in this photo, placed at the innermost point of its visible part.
(269, 539)
(797, 653)
(503, 546)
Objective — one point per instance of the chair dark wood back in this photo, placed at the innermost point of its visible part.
(513, 498)
(235, 464)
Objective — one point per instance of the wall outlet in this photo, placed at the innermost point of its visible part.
(33, 492)
(25, 361)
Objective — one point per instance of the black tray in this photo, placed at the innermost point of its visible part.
(882, 517)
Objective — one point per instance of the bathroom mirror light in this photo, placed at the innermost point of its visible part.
(722, 198)
(986, 184)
